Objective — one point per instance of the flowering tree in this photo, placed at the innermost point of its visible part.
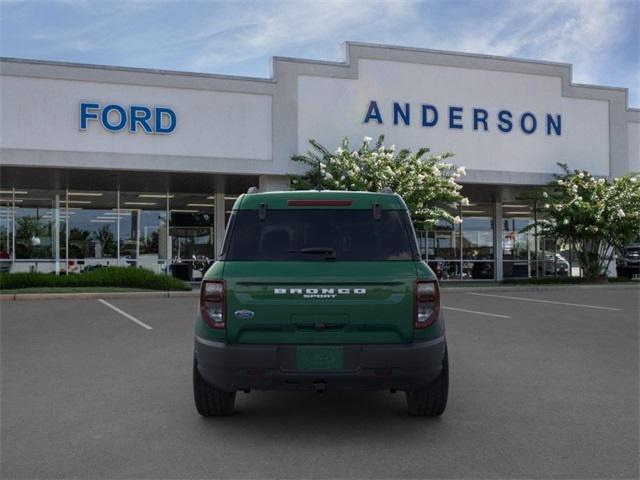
(424, 181)
(596, 216)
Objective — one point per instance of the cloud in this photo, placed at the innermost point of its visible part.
(287, 26)
(596, 36)
(571, 31)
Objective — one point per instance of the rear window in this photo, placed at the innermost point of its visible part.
(320, 235)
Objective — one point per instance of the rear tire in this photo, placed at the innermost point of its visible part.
(211, 402)
(432, 401)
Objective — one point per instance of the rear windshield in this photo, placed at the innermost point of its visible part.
(319, 235)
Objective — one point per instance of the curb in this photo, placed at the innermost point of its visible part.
(93, 296)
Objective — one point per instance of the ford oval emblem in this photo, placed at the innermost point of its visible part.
(244, 313)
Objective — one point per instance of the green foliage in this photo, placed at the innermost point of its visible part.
(107, 239)
(596, 216)
(102, 277)
(424, 181)
(27, 228)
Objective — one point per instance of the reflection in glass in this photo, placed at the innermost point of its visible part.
(446, 270)
(229, 201)
(92, 230)
(443, 244)
(477, 232)
(6, 231)
(443, 241)
(478, 270)
(40, 230)
(144, 230)
(192, 226)
(192, 234)
(518, 241)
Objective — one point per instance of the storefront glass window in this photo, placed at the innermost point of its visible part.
(446, 270)
(477, 242)
(463, 251)
(229, 201)
(518, 241)
(443, 241)
(192, 234)
(6, 230)
(443, 244)
(106, 228)
(92, 230)
(40, 217)
(144, 230)
(477, 232)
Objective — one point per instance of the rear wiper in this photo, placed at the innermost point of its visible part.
(330, 253)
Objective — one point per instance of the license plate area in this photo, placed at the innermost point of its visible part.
(319, 358)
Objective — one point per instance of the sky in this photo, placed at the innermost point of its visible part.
(601, 38)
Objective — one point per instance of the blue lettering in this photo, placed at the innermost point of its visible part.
(425, 115)
(85, 114)
(455, 113)
(504, 118)
(105, 118)
(399, 112)
(557, 125)
(139, 115)
(523, 123)
(480, 115)
(373, 112)
(162, 112)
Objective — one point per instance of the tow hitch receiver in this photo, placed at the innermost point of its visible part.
(319, 387)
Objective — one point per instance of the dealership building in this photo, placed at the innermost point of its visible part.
(106, 165)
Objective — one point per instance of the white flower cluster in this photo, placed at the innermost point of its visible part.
(594, 215)
(423, 181)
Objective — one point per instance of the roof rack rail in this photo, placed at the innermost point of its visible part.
(386, 190)
(253, 190)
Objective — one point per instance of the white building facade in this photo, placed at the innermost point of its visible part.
(120, 166)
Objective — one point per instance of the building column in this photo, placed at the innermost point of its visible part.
(270, 183)
(56, 235)
(497, 241)
(218, 218)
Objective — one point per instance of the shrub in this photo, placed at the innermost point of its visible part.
(125, 277)
(425, 182)
(596, 216)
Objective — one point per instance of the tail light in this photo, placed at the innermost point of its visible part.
(212, 303)
(426, 303)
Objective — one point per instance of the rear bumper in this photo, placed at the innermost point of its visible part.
(366, 367)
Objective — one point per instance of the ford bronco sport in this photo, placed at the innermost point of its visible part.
(320, 290)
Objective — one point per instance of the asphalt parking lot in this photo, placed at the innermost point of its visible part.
(544, 384)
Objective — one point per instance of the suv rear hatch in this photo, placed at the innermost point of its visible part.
(320, 275)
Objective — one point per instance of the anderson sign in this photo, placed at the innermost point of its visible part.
(460, 118)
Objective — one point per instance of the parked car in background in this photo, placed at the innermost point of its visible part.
(628, 263)
(554, 264)
(5, 261)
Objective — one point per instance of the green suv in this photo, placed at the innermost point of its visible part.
(320, 290)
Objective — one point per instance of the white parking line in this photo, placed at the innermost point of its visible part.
(125, 314)
(544, 301)
(476, 313)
